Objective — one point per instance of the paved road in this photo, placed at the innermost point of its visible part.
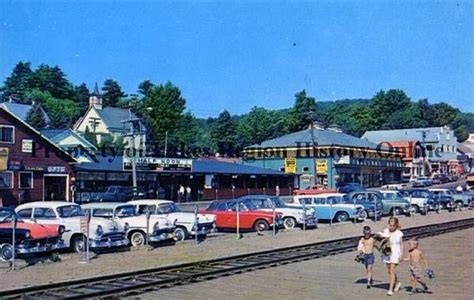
(339, 277)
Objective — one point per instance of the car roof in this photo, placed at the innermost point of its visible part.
(50, 204)
(106, 205)
(150, 201)
(328, 195)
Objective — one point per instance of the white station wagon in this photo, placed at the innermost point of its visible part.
(160, 229)
(185, 221)
(103, 233)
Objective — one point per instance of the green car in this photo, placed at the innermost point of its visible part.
(394, 203)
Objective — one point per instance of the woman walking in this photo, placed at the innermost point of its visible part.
(393, 233)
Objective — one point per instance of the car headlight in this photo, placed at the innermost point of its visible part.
(27, 234)
(126, 227)
(61, 229)
(99, 230)
(156, 227)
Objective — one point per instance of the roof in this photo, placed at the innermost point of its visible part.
(111, 163)
(378, 136)
(51, 204)
(22, 110)
(113, 117)
(57, 135)
(149, 201)
(105, 205)
(322, 137)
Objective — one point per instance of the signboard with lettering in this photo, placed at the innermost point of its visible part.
(158, 164)
(321, 166)
(56, 169)
(290, 165)
(27, 146)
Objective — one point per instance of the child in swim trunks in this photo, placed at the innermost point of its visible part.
(416, 259)
(366, 249)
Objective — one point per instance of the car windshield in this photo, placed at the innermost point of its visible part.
(167, 208)
(243, 206)
(125, 211)
(69, 211)
(258, 203)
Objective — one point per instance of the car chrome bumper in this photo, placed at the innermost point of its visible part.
(108, 243)
(21, 249)
(162, 237)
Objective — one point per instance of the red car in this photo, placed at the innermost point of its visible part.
(249, 217)
(29, 238)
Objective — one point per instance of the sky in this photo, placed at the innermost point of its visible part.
(233, 55)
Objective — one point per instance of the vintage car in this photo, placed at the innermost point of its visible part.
(250, 218)
(292, 216)
(185, 221)
(160, 229)
(349, 187)
(373, 206)
(417, 205)
(421, 181)
(313, 190)
(460, 199)
(331, 207)
(103, 234)
(392, 205)
(29, 238)
(419, 198)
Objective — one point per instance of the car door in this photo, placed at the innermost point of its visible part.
(322, 208)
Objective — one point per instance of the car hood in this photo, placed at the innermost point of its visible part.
(37, 231)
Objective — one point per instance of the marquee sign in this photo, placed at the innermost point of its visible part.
(158, 164)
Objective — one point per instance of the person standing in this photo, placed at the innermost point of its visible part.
(416, 259)
(394, 234)
(180, 192)
(366, 250)
(188, 193)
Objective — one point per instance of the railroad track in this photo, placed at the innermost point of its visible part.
(137, 282)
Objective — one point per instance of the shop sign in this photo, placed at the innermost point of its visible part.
(322, 166)
(290, 165)
(343, 160)
(30, 168)
(158, 164)
(14, 165)
(306, 178)
(56, 169)
(27, 146)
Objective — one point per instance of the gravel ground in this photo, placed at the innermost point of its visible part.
(45, 271)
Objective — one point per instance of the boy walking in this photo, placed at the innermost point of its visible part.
(366, 249)
(416, 259)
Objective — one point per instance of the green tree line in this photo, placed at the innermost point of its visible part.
(163, 109)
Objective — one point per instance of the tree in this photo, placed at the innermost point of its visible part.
(385, 104)
(52, 80)
(36, 117)
(18, 83)
(187, 136)
(259, 125)
(145, 87)
(90, 136)
(163, 110)
(224, 134)
(82, 97)
(303, 113)
(112, 93)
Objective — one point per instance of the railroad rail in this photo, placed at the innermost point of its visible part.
(137, 282)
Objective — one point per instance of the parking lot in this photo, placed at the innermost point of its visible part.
(217, 245)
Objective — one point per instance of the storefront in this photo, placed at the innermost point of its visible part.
(32, 168)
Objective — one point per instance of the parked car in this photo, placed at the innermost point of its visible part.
(250, 218)
(393, 204)
(440, 178)
(396, 196)
(422, 200)
(331, 207)
(460, 199)
(160, 229)
(29, 238)
(185, 221)
(453, 177)
(292, 216)
(116, 193)
(313, 190)
(102, 234)
(350, 187)
(421, 182)
(373, 205)
(394, 186)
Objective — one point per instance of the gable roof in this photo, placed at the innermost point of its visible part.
(22, 110)
(57, 135)
(378, 136)
(322, 137)
(38, 133)
(112, 118)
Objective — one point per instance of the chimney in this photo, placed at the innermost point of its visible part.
(95, 100)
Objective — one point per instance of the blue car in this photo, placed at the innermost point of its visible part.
(331, 207)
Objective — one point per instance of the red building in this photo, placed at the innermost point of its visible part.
(31, 167)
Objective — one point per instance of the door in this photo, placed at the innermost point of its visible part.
(55, 187)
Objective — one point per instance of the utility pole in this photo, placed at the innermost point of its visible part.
(133, 122)
(423, 139)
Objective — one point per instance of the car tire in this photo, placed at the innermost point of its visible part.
(415, 208)
(289, 223)
(342, 217)
(6, 252)
(180, 234)
(261, 225)
(459, 205)
(363, 215)
(137, 238)
(78, 244)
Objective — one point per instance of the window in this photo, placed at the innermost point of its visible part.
(306, 201)
(6, 180)
(44, 213)
(25, 180)
(305, 169)
(142, 209)
(7, 134)
(25, 213)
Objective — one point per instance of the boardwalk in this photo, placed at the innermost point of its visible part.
(339, 277)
